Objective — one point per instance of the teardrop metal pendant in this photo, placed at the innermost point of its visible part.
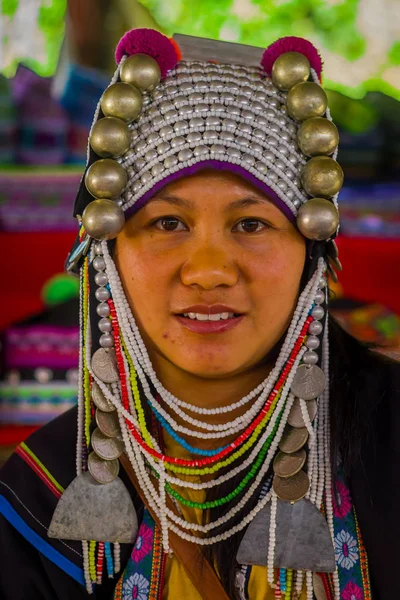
(303, 541)
(89, 510)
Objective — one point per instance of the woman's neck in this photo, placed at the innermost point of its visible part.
(208, 393)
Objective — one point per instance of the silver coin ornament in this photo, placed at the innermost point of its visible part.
(105, 447)
(103, 471)
(309, 382)
(99, 400)
(104, 365)
(108, 423)
(295, 418)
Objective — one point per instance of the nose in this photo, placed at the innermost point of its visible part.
(209, 267)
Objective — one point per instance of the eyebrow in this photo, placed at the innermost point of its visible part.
(236, 204)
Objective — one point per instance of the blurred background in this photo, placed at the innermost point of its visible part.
(56, 58)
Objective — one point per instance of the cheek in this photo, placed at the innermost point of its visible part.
(276, 277)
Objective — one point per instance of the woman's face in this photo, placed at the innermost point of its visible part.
(211, 268)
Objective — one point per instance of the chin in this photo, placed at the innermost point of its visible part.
(210, 367)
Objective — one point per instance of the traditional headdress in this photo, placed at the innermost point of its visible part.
(174, 107)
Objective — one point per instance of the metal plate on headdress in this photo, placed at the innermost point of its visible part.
(106, 447)
(88, 510)
(291, 489)
(103, 471)
(295, 418)
(203, 49)
(108, 423)
(104, 365)
(99, 400)
(288, 465)
(308, 382)
(303, 541)
(293, 439)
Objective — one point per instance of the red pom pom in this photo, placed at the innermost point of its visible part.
(151, 42)
(292, 44)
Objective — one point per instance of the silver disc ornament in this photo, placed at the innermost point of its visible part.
(106, 447)
(103, 471)
(104, 365)
(309, 382)
(99, 400)
(295, 418)
(108, 423)
(293, 439)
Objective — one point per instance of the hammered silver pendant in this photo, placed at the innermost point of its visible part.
(89, 510)
(303, 541)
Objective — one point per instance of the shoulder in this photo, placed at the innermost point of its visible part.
(33, 480)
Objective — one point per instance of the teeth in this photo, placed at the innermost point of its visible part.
(201, 317)
(204, 317)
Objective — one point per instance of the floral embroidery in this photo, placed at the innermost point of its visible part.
(143, 544)
(136, 587)
(341, 501)
(346, 550)
(352, 592)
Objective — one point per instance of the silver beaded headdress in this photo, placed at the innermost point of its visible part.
(263, 115)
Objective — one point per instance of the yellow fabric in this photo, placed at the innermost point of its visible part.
(177, 585)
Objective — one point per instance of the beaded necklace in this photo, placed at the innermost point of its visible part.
(260, 427)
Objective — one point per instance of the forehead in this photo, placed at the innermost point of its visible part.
(208, 181)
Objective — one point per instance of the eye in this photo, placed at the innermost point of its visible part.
(250, 226)
(170, 224)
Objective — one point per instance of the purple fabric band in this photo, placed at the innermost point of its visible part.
(218, 165)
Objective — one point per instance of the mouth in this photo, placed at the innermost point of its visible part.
(209, 319)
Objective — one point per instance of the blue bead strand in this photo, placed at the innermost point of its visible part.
(109, 560)
(180, 440)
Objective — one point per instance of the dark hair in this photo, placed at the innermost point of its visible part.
(350, 362)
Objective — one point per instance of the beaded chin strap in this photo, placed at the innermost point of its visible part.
(165, 116)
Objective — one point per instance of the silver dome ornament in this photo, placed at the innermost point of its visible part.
(106, 340)
(166, 131)
(163, 148)
(318, 136)
(103, 219)
(315, 328)
(157, 170)
(318, 219)
(103, 310)
(290, 68)
(142, 71)
(306, 100)
(123, 101)
(110, 137)
(312, 342)
(99, 263)
(101, 279)
(102, 294)
(106, 178)
(322, 176)
(310, 357)
(319, 298)
(170, 162)
(317, 313)
(105, 325)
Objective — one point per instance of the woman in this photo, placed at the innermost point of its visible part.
(257, 456)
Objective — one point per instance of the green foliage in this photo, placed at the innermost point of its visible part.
(9, 7)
